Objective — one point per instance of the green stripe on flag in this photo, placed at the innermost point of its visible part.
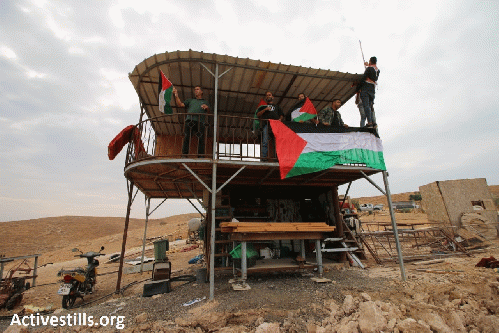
(322, 160)
(304, 117)
(167, 97)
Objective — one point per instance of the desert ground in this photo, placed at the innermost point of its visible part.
(448, 294)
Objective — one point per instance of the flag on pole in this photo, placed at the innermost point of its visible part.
(306, 112)
(165, 94)
(306, 148)
(256, 123)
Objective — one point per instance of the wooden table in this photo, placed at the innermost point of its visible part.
(258, 231)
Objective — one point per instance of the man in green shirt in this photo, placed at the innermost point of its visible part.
(194, 120)
(330, 116)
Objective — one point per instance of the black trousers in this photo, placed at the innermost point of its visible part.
(195, 129)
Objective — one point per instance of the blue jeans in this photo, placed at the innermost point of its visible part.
(265, 139)
(362, 115)
(367, 98)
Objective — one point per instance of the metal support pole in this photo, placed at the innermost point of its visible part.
(394, 226)
(318, 253)
(372, 183)
(214, 190)
(346, 194)
(125, 233)
(148, 205)
(244, 262)
(35, 270)
(302, 249)
(193, 205)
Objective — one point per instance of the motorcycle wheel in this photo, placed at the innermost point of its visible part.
(68, 301)
(14, 301)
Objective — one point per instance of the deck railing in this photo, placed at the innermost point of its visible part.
(238, 139)
(164, 136)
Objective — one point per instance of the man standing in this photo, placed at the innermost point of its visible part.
(264, 113)
(367, 89)
(194, 121)
(330, 116)
(297, 111)
(358, 102)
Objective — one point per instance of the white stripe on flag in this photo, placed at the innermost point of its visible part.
(340, 141)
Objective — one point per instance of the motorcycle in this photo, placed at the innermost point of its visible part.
(79, 282)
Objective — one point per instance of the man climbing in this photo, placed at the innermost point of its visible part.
(367, 87)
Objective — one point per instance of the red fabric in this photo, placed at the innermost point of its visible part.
(137, 142)
(288, 146)
(486, 262)
(165, 83)
(308, 107)
(125, 136)
(262, 102)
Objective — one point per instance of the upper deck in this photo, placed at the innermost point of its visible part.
(233, 87)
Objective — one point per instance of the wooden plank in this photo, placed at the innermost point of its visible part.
(275, 236)
(269, 229)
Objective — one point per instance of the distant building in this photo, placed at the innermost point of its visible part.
(404, 204)
(447, 201)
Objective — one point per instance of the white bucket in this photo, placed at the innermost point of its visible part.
(265, 253)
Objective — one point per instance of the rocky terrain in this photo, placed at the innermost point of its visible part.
(445, 295)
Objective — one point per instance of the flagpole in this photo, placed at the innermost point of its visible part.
(363, 59)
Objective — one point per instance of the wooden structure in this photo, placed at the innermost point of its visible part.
(228, 178)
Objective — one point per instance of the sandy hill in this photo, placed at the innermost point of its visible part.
(58, 235)
(381, 199)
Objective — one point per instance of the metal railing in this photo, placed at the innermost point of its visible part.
(178, 135)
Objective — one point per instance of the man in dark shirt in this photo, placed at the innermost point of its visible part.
(194, 123)
(265, 112)
(367, 89)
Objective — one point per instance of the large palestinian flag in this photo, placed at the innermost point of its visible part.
(306, 112)
(165, 94)
(307, 148)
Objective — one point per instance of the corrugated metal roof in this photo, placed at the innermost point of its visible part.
(241, 88)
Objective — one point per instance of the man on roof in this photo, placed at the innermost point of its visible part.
(194, 120)
(330, 116)
(265, 112)
(367, 87)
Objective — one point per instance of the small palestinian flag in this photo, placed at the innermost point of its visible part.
(165, 94)
(256, 123)
(306, 112)
(306, 148)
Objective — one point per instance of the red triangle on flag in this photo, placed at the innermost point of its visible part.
(262, 102)
(308, 107)
(289, 146)
(165, 83)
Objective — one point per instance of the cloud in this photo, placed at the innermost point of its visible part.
(67, 95)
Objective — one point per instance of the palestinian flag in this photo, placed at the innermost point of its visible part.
(306, 112)
(165, 94)
(307, 148)
(256, 123)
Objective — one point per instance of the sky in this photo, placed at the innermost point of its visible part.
(65, 92)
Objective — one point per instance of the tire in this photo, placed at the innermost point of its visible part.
(68, 301)
(14, 301)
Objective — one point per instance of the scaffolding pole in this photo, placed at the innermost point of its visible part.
(214, 190)
(148, 206)
(125, 233)
(394, 226)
